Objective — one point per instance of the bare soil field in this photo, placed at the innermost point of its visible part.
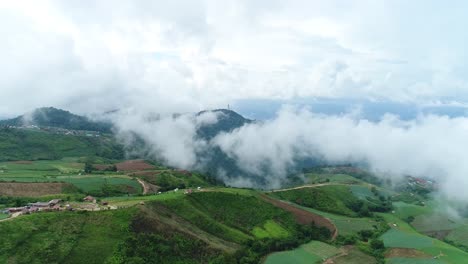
(21, 189)
(134, 165)
(304, 217)
(101, 167)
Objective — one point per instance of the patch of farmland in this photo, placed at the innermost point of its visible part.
(353, 256)
(134, 165)
(96, 183)
(345, 225)
(312, 252)
(404, 236)
(459, 235)
(17, 189)
(338, 178)
(404, 210)
(413, 261)
(270, 229)
(435, 222)
(361, 191)
(400, 239)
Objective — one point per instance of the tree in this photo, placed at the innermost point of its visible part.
(377, 244)
(88, 168)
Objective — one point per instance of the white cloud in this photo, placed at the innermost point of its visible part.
(190, 55)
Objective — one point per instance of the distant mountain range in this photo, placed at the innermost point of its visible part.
(214, 160)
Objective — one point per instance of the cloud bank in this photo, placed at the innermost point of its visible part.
(428, 146)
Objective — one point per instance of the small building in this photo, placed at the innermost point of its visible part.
(39, 204)
(15, 209)
(90, 199)
(54, 202)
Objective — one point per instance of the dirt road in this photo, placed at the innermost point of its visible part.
(144, 185)
(13, 215)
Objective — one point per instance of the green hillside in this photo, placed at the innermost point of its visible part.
(21, 144)
(204, 227)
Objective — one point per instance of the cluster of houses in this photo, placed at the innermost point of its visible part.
(58, 130)
(412, 181)
(52, 205)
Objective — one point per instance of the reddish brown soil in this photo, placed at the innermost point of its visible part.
(133, 165)
(101, 167)
(22, 189)
(304, 217)
(144, 173)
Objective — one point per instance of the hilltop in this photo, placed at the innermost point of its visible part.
(57, 118)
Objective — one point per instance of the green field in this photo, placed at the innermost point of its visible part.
(361, 191)
(413, 261)
(270, 229)
(404, 236)
(312, 252)
(404, 210)
(334, 198)
(459, 235)
(346, 225)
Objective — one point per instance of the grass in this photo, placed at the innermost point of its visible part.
(3, 216)
(270, 229)
(64, 237)
(312, 252)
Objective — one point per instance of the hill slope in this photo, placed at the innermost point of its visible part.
(21, 144)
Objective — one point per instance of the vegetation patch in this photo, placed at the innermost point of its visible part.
(270, 229)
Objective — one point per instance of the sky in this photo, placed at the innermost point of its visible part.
(182, 56)
(381, 83)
